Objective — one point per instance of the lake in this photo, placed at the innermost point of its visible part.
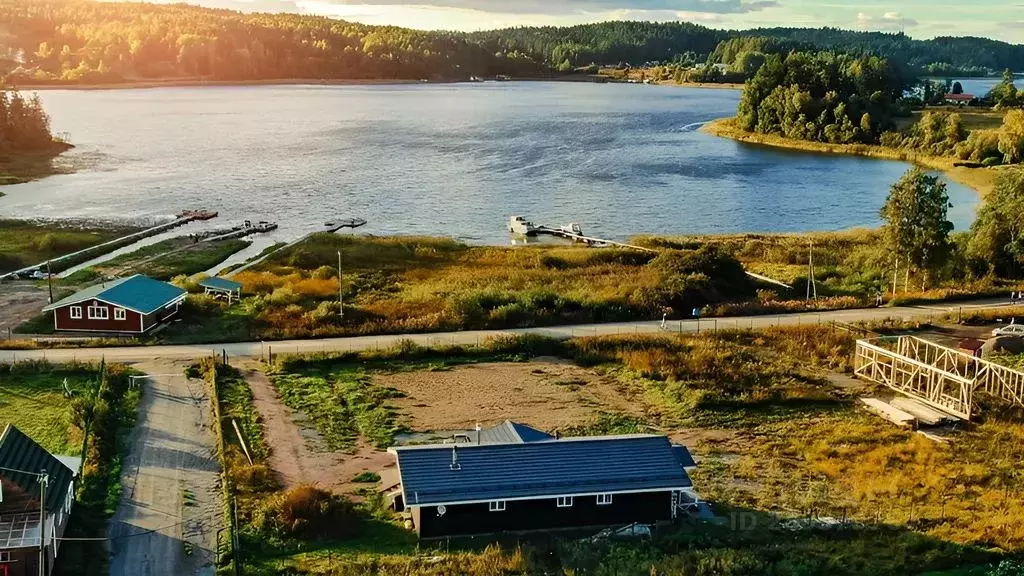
(452, 160)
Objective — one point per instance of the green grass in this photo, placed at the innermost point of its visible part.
(24, 243)
(342, 406)
(237, 404)
(36, 404)
(163, 260)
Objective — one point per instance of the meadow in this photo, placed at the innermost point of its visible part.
(25, 242)
(802, 480)
(163, 260)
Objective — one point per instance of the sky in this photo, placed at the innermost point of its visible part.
(1001, 19)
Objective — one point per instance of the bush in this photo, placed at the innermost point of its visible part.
(309, 512)
(992, 161)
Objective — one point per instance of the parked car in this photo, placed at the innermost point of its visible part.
(1009, 330)
(39, 275)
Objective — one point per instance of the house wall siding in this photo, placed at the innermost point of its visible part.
(523, 515)
(64, 321)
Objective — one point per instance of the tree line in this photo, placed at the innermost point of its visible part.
(80, 41)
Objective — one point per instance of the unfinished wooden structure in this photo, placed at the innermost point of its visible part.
(942, 377)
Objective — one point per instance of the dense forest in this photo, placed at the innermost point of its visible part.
(824, 97)
(80, 41)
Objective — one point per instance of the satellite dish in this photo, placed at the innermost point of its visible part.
(441, 510)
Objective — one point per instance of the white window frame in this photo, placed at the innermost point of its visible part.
(496, 506)
(94, 313)
(120, 314)
(563, 501)
(75, 312)
(604, 499)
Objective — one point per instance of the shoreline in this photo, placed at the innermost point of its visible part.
(981, 180)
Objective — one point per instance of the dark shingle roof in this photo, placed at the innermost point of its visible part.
(220, 284)
(139, 293)
(19, 452)
(509, 432)
(538, 469)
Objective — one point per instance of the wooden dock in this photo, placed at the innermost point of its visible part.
(244, 230)
(335, 225)
(180, 220)
(590, 240)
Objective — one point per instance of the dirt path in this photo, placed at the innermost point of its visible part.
(170, 503)
(297, 454)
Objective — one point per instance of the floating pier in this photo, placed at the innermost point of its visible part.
(335, 225)
(180, 220)
(246, 229)
(589, 240)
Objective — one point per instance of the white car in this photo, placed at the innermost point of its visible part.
(1009, 330)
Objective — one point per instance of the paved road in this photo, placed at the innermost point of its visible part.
(169, 514)
(256, 349)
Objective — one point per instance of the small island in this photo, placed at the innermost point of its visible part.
(27, 147)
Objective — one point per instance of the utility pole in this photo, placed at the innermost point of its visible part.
(811, 285)
(43, 481)
(341, 296)
(49, 281)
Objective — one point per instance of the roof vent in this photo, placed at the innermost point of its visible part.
(478, 429)
(455, 458)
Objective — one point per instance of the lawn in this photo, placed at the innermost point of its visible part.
(37, 405)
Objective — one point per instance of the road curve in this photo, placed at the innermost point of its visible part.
(356, 343)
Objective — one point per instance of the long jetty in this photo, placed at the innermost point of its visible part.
(181, 219)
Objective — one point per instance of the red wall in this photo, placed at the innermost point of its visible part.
(131, 323)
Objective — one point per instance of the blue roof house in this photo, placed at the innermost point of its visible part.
(132, 305)
(512, 478)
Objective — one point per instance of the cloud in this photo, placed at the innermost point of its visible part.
(888, 22)
(1018, 25)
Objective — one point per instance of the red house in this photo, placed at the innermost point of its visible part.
(132, 305)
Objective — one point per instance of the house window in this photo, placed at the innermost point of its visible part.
(76, 312)
(99, 313)
(496, 506)
(5, 557)
(564, 501)
(604, 499)
(120, 314)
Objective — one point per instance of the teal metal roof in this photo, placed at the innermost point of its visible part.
(221, 284)
(139, 293)
(19, 452)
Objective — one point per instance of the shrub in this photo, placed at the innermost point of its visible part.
(309, 512)
(992, 161)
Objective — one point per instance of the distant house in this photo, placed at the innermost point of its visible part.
(222, 287)
(959, 99)
(513, 478)
(132, 305)
(22, 464)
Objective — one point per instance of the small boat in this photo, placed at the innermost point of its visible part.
(335, 225)
(573, 229)
(521, 226)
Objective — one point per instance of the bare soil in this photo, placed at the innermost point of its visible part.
(297, 454)
(546, 394)
(20, 301)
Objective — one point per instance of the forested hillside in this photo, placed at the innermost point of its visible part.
(80, 41)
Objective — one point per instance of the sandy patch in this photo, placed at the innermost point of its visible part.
(544, 394)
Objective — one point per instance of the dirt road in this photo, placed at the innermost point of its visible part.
(19, 301)
(170, 509)
(256, 349)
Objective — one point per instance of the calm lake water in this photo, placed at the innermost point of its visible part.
(453, 160)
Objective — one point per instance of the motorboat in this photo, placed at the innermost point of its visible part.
(521, 226)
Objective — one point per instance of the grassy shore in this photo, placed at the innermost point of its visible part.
(163, 260)
(28, 167)
(980, 179)
(27, 242)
